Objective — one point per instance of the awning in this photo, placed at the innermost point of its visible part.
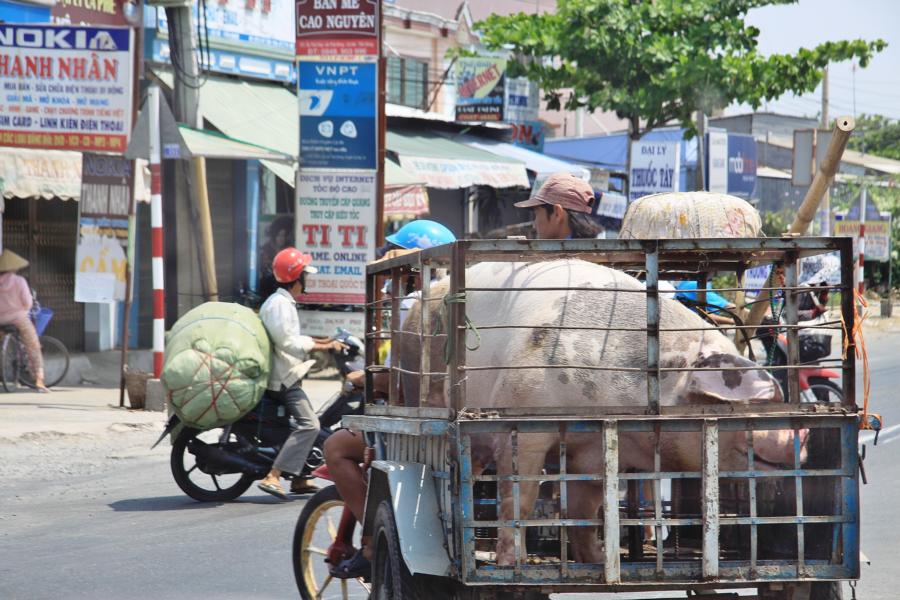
(540, 164)
(210, 144)
(445, 164)
(53, 174)
(262, 114)
(405, 196)
(40, 173)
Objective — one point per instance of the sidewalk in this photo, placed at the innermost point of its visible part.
(92, 411)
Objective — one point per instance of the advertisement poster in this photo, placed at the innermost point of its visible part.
(741, 165)
(260, 23)
(65, 87)
(101, 253)
(717, 161)
(338, 108)
(336, 224)
(323, 323)
(612, 205)
(878, 235)
(523, 100)
(126, 13)
(337, 28)
(654, 168)
(480, 88)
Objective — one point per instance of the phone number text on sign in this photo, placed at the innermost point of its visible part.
(336, 224)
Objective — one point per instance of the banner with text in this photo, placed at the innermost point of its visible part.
(101, 252)
(335, 28)
(480, 88)
(336, 224)
(66, 87)
(324, 323)
(654, 168)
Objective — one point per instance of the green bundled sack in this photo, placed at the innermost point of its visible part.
(216, 364)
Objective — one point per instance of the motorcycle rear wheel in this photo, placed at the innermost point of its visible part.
(199, 485)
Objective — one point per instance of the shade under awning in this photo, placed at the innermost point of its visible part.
(446, 164)
(210, 144)
(540, 164)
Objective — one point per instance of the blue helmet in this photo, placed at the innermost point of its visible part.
(421, 234)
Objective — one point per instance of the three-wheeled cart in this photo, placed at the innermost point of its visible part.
(790, 532)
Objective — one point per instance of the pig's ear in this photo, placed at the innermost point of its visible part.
(734, 383)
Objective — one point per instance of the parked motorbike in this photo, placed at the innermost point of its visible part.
(220, 464)
(353, 359)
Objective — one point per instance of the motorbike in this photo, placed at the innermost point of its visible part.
(220, 464)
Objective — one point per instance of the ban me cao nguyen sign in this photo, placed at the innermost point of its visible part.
(654, 168)
(65, 87)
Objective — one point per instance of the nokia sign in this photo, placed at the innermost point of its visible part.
(63, 38)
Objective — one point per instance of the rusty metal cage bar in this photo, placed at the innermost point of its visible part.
(424, 320)
(653, 350)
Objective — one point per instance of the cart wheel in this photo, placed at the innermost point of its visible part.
(391, 579)
(826, 590)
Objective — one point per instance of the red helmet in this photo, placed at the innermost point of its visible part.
(289, 264)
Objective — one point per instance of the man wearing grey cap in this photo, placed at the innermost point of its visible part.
(562, 208)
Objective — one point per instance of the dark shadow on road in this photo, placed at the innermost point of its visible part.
(172, 503)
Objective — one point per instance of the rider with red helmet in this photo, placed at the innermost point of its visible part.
(290, 351)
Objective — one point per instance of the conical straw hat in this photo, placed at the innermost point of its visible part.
(10, 261)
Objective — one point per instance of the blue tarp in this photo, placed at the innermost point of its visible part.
(21, 12)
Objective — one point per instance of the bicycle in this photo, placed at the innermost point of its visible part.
(15, 366)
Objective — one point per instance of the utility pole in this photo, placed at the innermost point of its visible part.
(863, 197)
(186, 67)
(701, 150)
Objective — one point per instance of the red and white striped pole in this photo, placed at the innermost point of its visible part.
(156, 234)
(861, 282)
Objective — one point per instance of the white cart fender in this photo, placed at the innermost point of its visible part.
(410, 488)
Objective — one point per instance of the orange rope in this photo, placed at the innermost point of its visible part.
(859, 344)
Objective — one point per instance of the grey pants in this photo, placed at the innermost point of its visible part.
(296, 448)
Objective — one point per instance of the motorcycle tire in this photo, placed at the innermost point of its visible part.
(826, 390)
(182, 474)
(308, 560)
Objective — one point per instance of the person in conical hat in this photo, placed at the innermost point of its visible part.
(15, 303)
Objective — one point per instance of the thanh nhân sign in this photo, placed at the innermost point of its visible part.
(65, 87)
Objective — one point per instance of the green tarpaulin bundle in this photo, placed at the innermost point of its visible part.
(216, 364)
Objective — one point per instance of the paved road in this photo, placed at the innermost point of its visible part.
(102, 519)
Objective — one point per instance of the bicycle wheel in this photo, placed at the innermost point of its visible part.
(56, 360)
(9, 362)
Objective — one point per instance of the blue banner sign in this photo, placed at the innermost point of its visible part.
(338, 110)
(741, 165)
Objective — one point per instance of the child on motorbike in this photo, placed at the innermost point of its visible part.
(290, 350)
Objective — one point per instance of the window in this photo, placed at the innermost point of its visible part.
(407, 82)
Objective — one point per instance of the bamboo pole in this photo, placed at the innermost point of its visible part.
(208, 256)
(843, 127)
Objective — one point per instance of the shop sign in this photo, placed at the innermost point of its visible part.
(338, 108)
(878, 235)
(409, 201)
(599, 179)
(528, 135)
(324, 323)
(741, 165)
(123, 13)
(717, 161)
(101, 251)
(523, 100)
(480, 88)
(336, 224)
(246, 24)
(66, 87)
(337, 28)
(654, 168)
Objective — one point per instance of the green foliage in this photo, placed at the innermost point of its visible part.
(655, 61)
(878, 135)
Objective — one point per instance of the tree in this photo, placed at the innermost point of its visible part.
(652, 62)
(878, 135)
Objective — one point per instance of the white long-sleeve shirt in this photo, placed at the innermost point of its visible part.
(290, 349)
